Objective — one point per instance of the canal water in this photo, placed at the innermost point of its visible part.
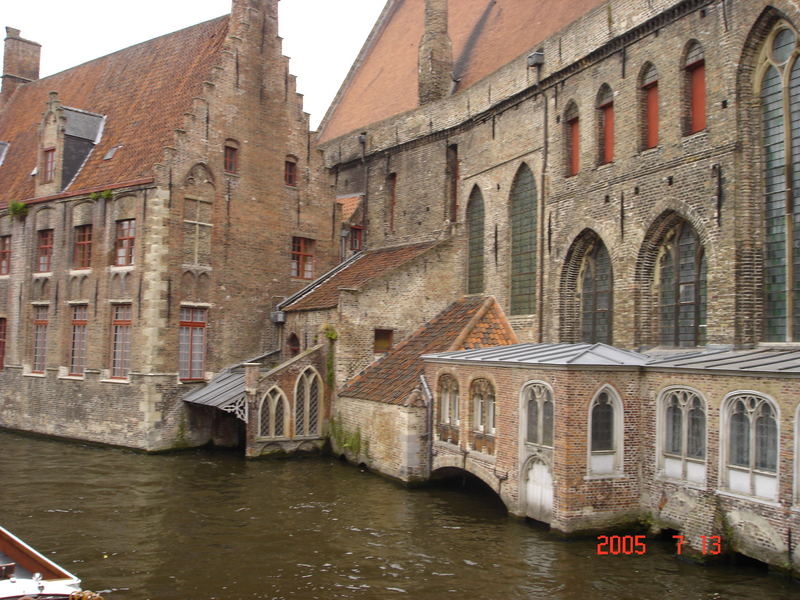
(210, 525)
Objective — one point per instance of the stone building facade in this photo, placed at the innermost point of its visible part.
(157, 204)
(617, 173)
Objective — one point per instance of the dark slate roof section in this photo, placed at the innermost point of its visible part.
(363, 268)
(759, 360)
(394, 377)
(226, 388)
(547, 354)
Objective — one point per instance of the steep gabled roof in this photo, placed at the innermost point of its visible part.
(361, 269)
(485, 35)
(472, 322)
(142, 91)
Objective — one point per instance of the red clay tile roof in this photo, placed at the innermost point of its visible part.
(142, 90)
(472, 322)
(485, 35)
(349, 206)
(369, 265)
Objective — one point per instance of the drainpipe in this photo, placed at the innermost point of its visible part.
(542, 227)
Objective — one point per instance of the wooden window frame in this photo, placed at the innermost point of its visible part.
(193, 319)
(124, 242)
(649, 107)
(82, 247)
(3, 336)
(5, 254)
(605, 129)
(290, 173)
(48, 165)
(231, 159)
(121, 329)
(573, 146)
(302, 258)
(77, 350)
(696, 90)
(41, 321)
(44, 250)
(356, 237)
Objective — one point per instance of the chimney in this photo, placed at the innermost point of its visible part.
(435, 54)
(20, 61)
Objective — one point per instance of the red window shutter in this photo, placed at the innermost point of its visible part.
(574, 147)
(608, 133)
(697, 76)
(651, 116)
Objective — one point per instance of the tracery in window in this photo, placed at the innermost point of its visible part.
(539, 415)
(682, 288)
(605, 434)
(523, 203)
(307, 403)
(596, 295)
(683, 449)
(273, 414)
(779, 73)
(448, 409)
(475, 242)
(483, 415)
(751, 460)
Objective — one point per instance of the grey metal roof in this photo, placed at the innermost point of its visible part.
(83, 124)
(759, 360)
(225, 389)
(547, 354)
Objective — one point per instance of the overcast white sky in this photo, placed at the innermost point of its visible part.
(322, 37)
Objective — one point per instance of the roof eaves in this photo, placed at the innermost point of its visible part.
(286, 304)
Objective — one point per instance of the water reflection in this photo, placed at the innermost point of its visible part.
(210, 525)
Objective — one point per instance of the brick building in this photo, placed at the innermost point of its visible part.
(619, 176)
(155, 205)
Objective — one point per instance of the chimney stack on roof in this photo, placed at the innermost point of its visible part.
(20, 61)
(435, 54)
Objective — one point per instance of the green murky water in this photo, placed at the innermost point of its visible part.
(210, 525)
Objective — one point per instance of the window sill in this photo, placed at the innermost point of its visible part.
(39, 274)
(645, 152)
(604, 166)
(85, 271)
(603, 476)
(39, 375)
(72, 377)
(124, 380)
(6, 276)
(448, 445)
(755, 499)
(273, 439)
(121, 268)
(693, 485)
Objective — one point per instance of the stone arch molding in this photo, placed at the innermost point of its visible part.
(198, 175)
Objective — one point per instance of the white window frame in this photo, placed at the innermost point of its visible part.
(309, 374)
(662, 457)
(755, 476)
(597, 465)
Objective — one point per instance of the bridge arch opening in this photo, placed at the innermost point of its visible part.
(460, 485)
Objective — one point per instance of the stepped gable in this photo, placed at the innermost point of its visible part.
(472, 322)
(370, 264)
(143, 91)
(485, 35)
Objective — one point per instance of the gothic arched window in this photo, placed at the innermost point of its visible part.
(307, 403)
(539, 412)
(779, 88)
(273, 414)
(682, 414)
(596, 295)
(751, 451)
(475, 216)
(523, 242)
(682, 288)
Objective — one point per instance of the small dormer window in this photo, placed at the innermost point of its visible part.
(49, 165)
